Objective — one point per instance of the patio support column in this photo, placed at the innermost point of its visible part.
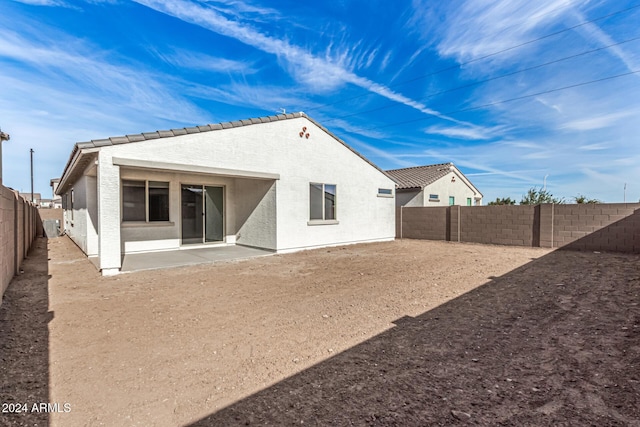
(108, 185)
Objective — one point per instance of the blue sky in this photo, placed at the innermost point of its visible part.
(510, 91)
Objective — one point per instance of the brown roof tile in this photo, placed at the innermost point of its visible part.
(190, 130)
(419, 176)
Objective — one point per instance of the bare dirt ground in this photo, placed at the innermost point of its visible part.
(400, 333)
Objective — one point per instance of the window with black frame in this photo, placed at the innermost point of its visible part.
(145, 201)
(158, 201)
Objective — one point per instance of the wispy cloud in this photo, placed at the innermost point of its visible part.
(376, 154)
(466, 132)
(71, 63)
(320, 74)
(482, 27)
(62, 3)
(385, 61)
(593, 147)
(203, 62)
(265, 97)
(350, 128)
(239, 9)
(239, 58)
(43, 2)
(591, 30)
(599, 121)
(522, 144)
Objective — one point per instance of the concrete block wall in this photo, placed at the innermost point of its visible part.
(610, 227)
(7, 244)
(422, 223)
(20, 223)
(597, 227)
(501, 225)
(51, 214)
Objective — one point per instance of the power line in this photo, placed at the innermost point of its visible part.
(457, 66)
(395, 104)
(479, 107)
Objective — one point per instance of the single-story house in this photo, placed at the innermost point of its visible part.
(434, 185)
(56, 200)
(282, 183)
(27, 196)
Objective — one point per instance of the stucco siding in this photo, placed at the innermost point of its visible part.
(108, 214)
(256, 213)
(445, 187)
(76, 214)
(91, 199)
(140, 237)
(410, 198)
(277, 148)
(265, 171)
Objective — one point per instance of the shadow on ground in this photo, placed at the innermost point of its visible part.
(24, 343)
(555, 342)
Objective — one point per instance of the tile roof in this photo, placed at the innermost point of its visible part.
(419, 176)
(183, 131)
(70, 175)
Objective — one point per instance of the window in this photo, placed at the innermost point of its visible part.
(133, 201)
(385, 192)
(434, 198)
(72, 200)
(468, 201)
(145, 201)
(158, 201)
(452, 200)
(322, 202)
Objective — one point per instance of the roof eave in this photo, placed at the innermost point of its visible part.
(73, 158)
(83, 148)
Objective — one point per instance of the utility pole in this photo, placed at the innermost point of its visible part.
(31, 151)
(3, 137)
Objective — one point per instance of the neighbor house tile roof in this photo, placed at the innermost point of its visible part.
(419, 176)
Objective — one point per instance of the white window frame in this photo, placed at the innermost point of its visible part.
(382, 192)
(323, 221)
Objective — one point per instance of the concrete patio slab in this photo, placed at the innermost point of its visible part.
(178, 258)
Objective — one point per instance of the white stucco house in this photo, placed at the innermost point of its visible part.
(56, 201)
(434, 185)
(282, 183)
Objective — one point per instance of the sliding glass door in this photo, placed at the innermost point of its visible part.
(213, 224)
(202, 214)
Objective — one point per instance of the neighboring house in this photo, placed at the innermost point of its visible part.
(282, 183)
(434, 185)
(56, 201)
(46, 204)
(36, 197)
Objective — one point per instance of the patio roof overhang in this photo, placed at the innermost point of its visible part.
(198, 169)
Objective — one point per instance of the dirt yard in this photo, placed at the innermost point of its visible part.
(400, 333)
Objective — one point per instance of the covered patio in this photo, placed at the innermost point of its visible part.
(192, 256)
